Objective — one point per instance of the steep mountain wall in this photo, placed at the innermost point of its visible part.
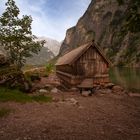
(102, 22)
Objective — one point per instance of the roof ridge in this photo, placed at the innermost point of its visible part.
(74, 54)
(73, 49)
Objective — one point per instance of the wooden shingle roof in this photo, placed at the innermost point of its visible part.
(73, 55)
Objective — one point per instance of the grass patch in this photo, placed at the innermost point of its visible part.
(4, 112)
(41, 98)
(18, 96)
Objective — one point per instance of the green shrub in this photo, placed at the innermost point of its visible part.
(18, 96)
(49, 68)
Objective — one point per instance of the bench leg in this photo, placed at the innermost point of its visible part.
(81, 90)
(90, 92)
(93, 90)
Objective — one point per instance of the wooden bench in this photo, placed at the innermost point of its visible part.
(86, 84)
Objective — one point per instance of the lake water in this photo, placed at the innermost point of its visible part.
(128, 78)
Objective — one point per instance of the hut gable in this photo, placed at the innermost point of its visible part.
(73, 55)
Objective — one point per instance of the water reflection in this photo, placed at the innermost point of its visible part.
(126, 77)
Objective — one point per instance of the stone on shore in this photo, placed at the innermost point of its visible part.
(86, 93)
(117, 88)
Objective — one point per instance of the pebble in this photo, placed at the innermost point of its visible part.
(72, 101)
(54, 90)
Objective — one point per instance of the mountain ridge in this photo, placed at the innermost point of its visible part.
(102, 22)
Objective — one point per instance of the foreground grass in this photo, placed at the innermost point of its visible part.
(4, 112)
(17, 96)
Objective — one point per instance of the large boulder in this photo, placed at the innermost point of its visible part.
(109, 85)
(11, 78)
(117, 88)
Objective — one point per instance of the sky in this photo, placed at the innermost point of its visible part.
(51, 18)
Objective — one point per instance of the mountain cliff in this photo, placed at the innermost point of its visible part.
(103, 22)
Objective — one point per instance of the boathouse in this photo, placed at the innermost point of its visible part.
(86, 61)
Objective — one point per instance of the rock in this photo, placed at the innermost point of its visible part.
(117, 88)
(43, 91)
(17, 139)
(134, 94)
(54, 90)
(98, 87)
(74, 89)
(26, 87)
(48, 86)
(35, 77)
(81, 107)
(119, 130)
(109, 85)
(125, 92)
(86, 93)
(104, 91)
(3, 59)
(55, 99)
(72, 101)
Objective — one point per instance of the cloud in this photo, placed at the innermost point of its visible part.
(51, 18)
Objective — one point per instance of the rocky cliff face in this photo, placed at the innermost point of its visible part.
(102, 22)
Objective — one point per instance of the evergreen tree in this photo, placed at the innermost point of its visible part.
(16, 35)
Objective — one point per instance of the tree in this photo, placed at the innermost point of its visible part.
(16, 35)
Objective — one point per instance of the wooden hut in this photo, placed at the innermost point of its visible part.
(87, 61)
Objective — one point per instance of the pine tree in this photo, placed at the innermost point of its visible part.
(16, 35)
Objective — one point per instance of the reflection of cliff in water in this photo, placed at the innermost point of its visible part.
(126, 77)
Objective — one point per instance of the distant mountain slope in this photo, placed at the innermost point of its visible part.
(51, 44)
(41, 58)
(102, 22)
(49, 51)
